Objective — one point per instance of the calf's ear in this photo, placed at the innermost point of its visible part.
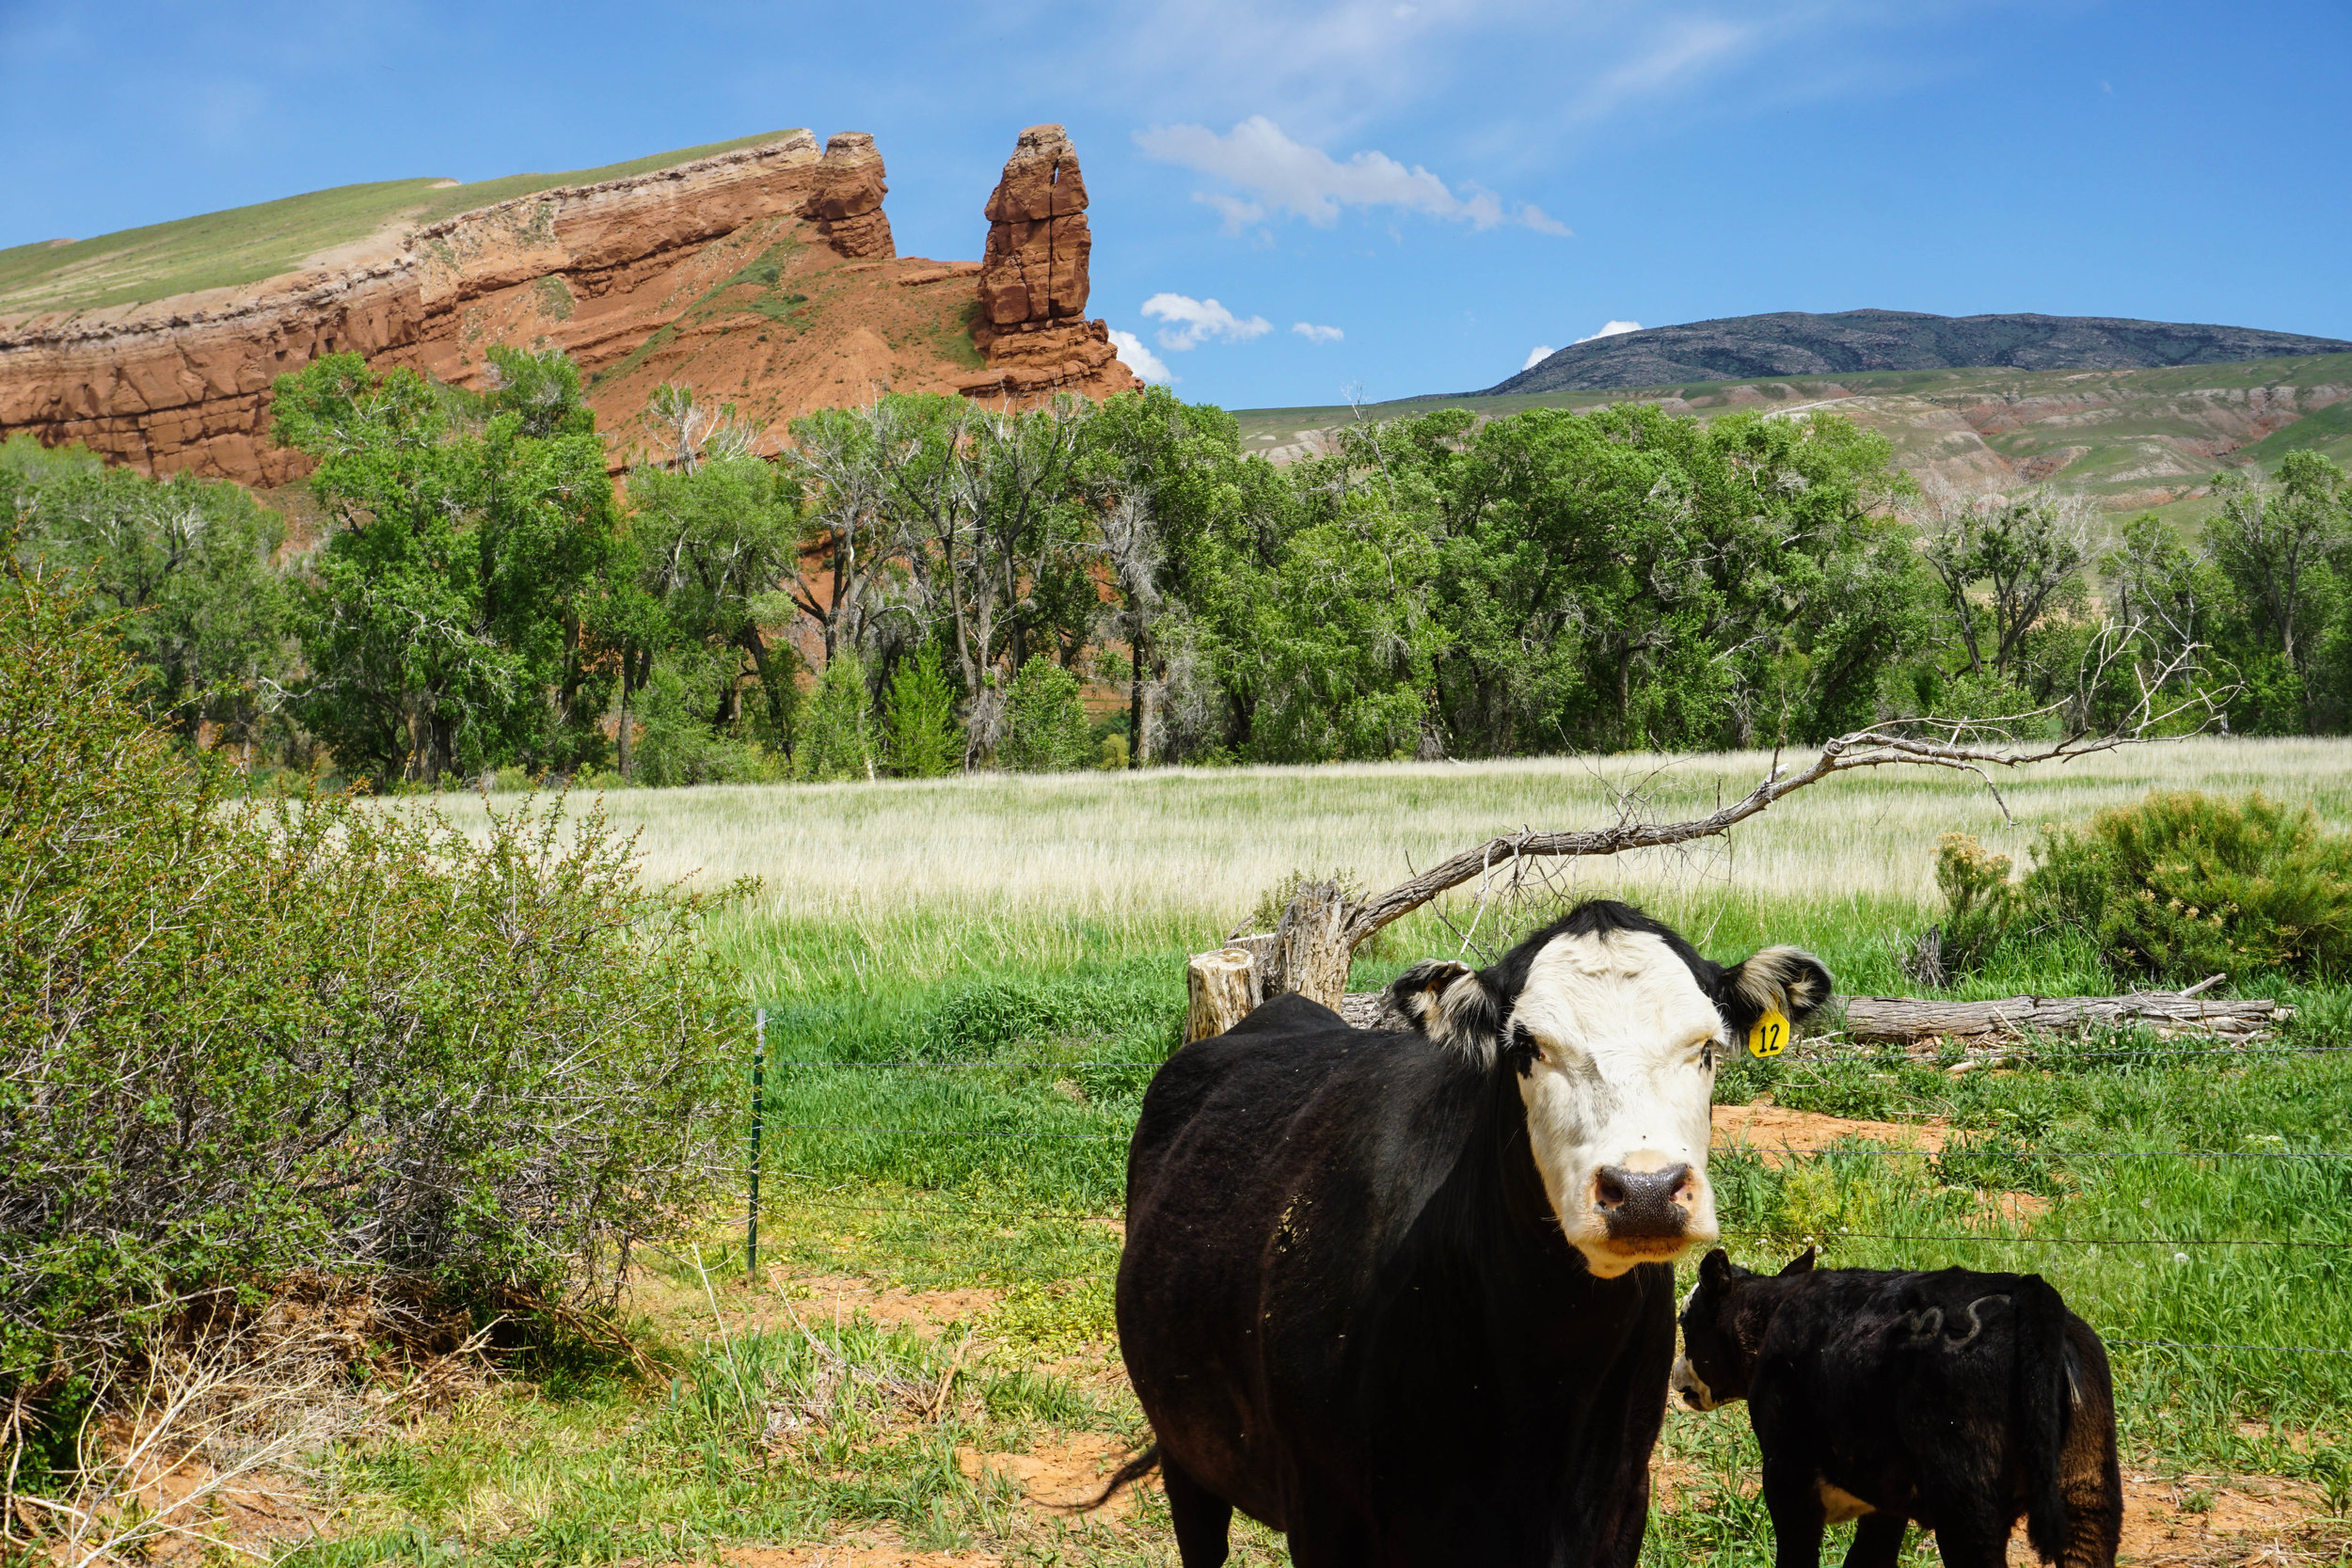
(1715, 1269)
(1452, 1003)
(1786, 980)
(1801, 1263)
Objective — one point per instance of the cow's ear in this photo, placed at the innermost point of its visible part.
(1786, 980)
(1801, 1263)
(1450, 1003)
(1716, 1270)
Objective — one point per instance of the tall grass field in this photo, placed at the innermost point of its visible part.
(967, 985)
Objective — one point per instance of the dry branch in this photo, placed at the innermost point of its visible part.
(1319, 930)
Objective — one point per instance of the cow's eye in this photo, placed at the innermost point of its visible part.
(1524, 1051)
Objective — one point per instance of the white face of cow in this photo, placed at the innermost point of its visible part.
(1612, 1035)
(1617, 1095)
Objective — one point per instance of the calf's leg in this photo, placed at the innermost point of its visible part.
(1794, 1501)
(1972, 1536)
(1202, 1519)
(1878, 1540)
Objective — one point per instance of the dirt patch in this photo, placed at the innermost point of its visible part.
(1059, 1477)
(1774, 1132)
(258, 1512)
(2208, 1521)
(925, 1311)
(860, 1553)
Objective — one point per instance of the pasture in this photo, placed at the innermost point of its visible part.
(968, 983)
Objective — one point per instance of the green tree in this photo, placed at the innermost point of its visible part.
(836, 739)
(710, 547)
(1045, 723)
(446, 627)
(921, 739)
(185, 564)
(2283, 548)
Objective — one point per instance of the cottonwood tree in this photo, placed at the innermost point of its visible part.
(2005, 565)
(2283, 547)
(185, 567)
(442, 626)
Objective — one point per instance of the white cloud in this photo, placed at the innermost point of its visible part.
(1136, 357)
(1536, 355)
(1194, 322)
(1315, 334)
(1238, 214)
(1610, 329)
(1290, 176)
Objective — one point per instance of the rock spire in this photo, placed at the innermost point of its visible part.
(1032, 328)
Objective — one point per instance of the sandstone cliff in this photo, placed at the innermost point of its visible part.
(1033, 283)
(766, 276)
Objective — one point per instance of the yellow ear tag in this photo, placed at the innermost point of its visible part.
(1769, 1037)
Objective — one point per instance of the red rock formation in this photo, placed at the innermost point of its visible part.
(766, 276)
(846, 205)
(1033, 283)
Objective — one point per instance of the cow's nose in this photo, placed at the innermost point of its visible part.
(1641, 1204)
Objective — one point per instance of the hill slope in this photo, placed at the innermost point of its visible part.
(2128, 439)
(1795, 343)
(246, 244)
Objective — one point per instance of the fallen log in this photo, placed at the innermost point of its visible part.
(1904, 1020)
(1907, 1020)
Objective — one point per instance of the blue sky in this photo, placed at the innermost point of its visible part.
(1432, 187)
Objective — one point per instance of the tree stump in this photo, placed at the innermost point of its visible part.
(1222, 990)
(1311, 949)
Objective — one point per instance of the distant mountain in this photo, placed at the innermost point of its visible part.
(1793, 343)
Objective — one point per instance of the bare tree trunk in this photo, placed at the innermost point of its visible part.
(1312, 948)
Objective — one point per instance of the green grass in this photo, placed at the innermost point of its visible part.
(1036, 994)
(246, 244)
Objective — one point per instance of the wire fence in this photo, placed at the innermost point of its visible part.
(1852, 1053)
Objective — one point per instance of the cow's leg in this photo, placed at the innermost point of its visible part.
(1794, 1500)
(1878, 1540)
(1325, 1534)
(1202, 1519)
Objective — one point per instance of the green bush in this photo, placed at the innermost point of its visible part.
(834, 738)
(1979, 901)
(2183, 885)
(240, 1038)
(1045, 724)
(921, 739)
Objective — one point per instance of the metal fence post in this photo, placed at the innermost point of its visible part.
(759, 1067)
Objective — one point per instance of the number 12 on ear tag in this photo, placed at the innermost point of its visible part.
(1769, 1037)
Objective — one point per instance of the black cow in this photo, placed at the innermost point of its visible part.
(1958, 1400)
(1408, 1296)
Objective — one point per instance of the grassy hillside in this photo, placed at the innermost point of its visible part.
(2129, 438)
(244, 244)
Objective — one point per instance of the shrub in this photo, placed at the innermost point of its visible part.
(1045, 723)
(1979, 901)
(836, 739)
(920, 737)
(242, 1038)
(2183, 885)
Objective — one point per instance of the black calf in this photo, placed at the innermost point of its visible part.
(1961, 1400)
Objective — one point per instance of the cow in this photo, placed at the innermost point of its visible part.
(1956, 1400)
(1408, 1296)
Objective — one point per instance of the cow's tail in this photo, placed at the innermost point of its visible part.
(2040, 1404)
(1125, 1476)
